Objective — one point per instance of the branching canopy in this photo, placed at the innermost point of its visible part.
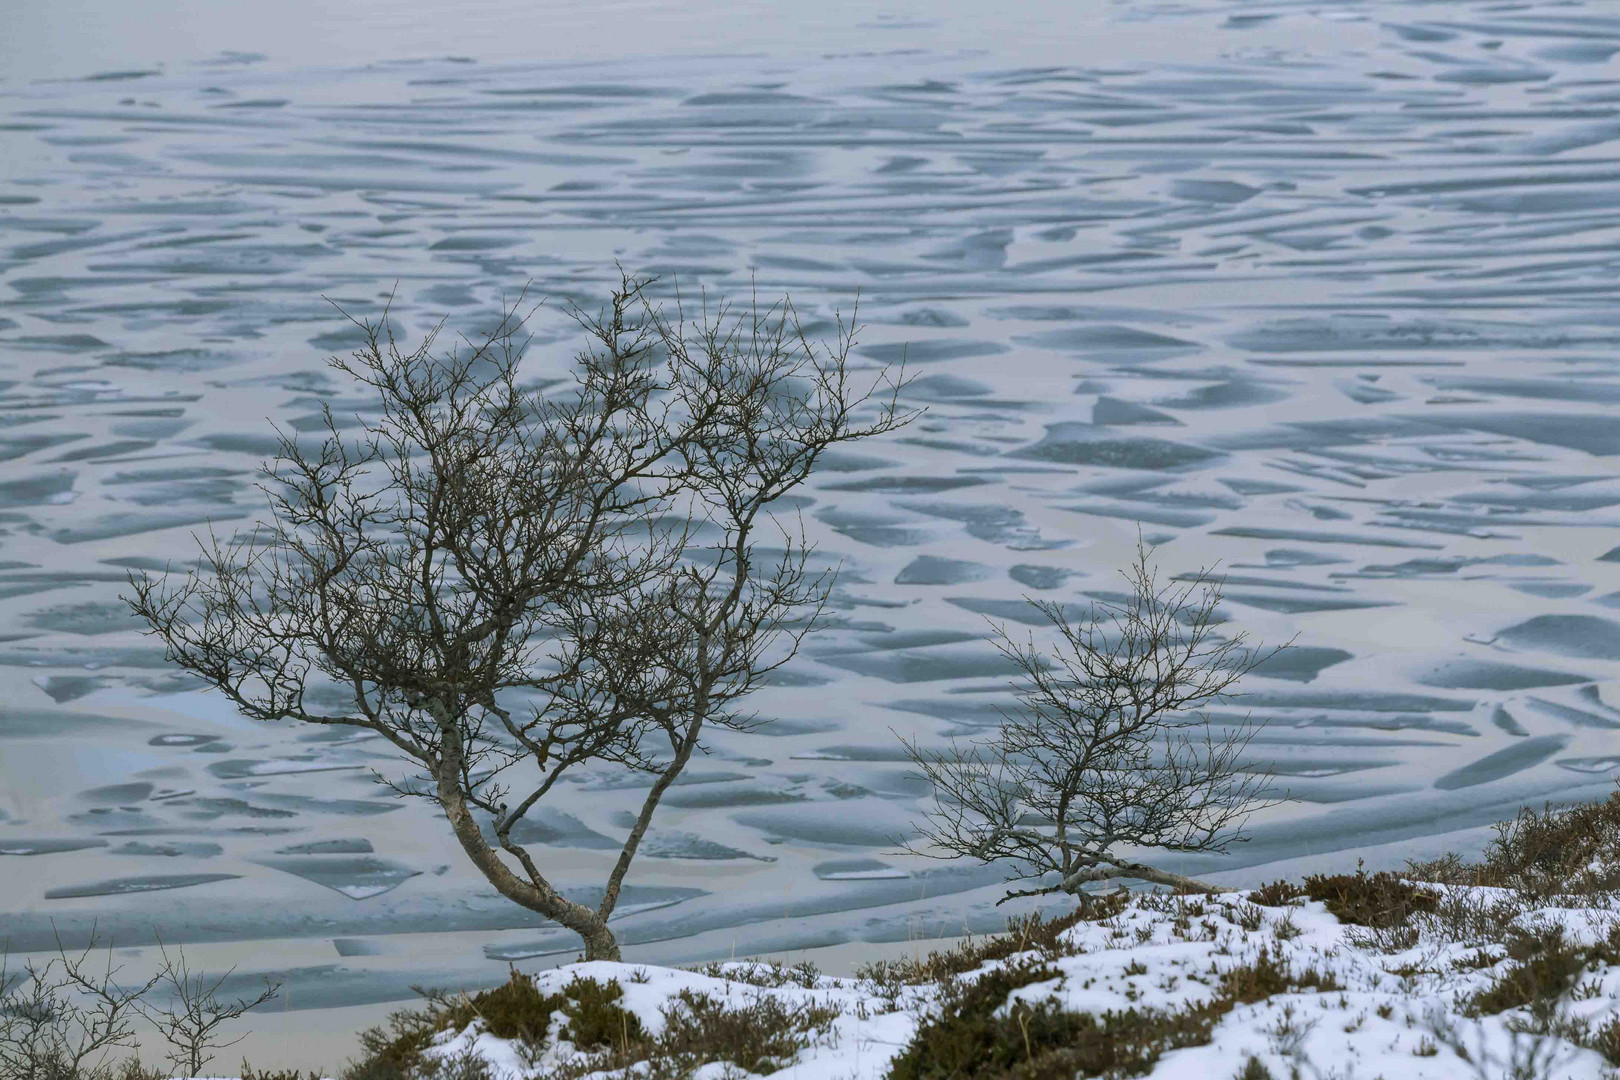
(505, 583)
(1107, 750)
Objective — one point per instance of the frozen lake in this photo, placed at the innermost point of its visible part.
(1326, 293)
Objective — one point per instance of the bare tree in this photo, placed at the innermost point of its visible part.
(503, 582)
(61, 1020)
(191, 1024)
(1107, 750)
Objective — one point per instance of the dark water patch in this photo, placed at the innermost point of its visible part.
(1377, 701)
(16, 446)
(996, 524)
(47, 489)
(64, 688)
(1311, 536)
(907, 485)
(1488, 675)
(937, 570)
(1288, 558)
(1592, 434)
(686, 845)
(886, 536)
(1583, 636)
(134, 656)
(88, 619)
(242, 768)
(1084, 444)
(21, 723)
(1507, 722)
(1109, 339)
(1551, 590)
(1225, 192)
(847, 752)
(117, 794)
(106, 451)
(212, 808)
(552, 827)
(124, 523)
(978, 711)
(930, 666)
(181, 739)
(946, 388)
(1044, 578)
(121, 821)
(128, 885)
(1301, 663)
(932, 316)
(930, 352)
(357, 878)
(1580, 718)
(906, 639)
(349, 846)
(1367, 333)
(187, 360)
(858, 823)
(1230, 394)
(857, 870)
(733, 794)
(1581, 390)
(1114, 412)
(1295, 604)
(1020, 611)
(1506, 762)
(16, 845)
(197, 849)
(306, 804)
(359, 947)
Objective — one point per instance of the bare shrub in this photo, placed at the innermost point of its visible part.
(68, 1019)
(1108, 750)
(190, 1025)
(64, 1020)
(1542, 854)
(504, 583)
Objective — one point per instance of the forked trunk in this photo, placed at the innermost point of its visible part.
(600, 944)
(535, 893)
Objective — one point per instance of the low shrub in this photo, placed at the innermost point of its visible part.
(1024, 933)
(1542, 854)
(1546, 965)
(514, 1010)
(1378, 901)
(968, 1040)
(248, 1072)
(1275, 894)
(767, 974)
(1268, 975)
(760, 1037)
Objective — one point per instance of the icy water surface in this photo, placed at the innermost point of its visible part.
(1327, 294)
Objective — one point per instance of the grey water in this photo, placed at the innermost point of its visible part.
(1324, 294)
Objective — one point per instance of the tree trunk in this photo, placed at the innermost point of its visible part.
(600, 944)
(536, 894)
(1073, 882)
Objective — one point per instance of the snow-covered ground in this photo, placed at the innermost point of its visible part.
(1397, 1015)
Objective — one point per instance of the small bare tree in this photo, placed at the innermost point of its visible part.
(503, 582)
(191, 1024)
(1107, 751)
(62, 1019)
